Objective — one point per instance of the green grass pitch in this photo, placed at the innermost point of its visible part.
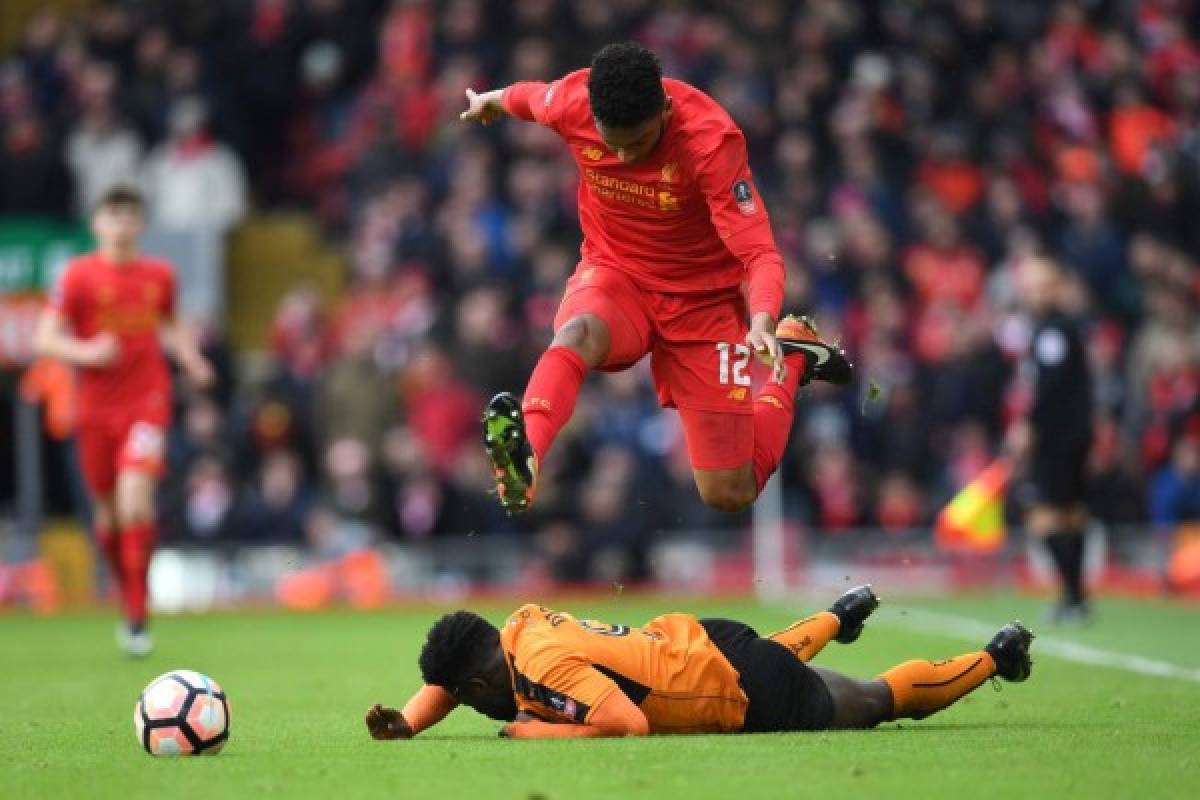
(299, 685)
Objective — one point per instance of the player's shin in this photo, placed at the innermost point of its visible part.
(921, 688)
(550, 397)
(108, 544)
(774, 409)
(809, 636)
(136, 546)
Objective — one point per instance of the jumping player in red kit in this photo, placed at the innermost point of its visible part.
(106, 317)
(673, 227)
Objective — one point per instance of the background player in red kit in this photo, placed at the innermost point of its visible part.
(106, 317)
(673, 228)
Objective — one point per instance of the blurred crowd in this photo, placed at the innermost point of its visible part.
(911, 154)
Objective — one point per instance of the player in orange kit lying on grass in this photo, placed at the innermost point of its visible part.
(550, 675)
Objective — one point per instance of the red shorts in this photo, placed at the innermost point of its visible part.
(698, 356)
(110, 444)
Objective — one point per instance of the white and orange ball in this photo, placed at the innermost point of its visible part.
(182, 713)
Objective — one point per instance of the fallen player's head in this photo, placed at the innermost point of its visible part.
(462, 654)
(628, 101)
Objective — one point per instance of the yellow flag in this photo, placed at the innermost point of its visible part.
(973, 521)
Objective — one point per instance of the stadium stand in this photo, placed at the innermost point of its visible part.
(397, 266)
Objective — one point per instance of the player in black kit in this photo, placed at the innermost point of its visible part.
(1057, 434)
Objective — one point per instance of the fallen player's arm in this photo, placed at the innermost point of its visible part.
(428, 707)
(616, 716)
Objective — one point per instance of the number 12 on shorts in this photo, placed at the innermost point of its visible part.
(737, 369)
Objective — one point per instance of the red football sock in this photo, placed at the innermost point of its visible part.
(136, 546)
(773, 411)
(109, 546)
(550, 396)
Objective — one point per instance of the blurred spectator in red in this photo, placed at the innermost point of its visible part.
(900, 506)
(950, 174)
(836, 488)
(442, 409)
(1135, 126)
(297, 336)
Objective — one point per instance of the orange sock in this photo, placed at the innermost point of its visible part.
(809, 636)
(920, 688)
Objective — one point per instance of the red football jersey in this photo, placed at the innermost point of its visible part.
(686, 218)
(130, 300)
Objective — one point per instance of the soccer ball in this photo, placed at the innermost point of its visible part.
(182, 713)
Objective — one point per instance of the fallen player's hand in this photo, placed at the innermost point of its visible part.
(387, 723)
(507, 731)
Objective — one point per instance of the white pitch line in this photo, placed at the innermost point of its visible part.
(936, 622)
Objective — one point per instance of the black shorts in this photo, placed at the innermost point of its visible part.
(1058, 474)
(785, 693)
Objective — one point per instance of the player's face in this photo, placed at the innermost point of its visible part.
(488, 698)
(117, 226)
(634, 143)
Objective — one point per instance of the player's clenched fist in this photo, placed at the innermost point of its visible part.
(387, 723)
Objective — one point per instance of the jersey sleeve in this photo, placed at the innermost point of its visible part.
(547, 103)
(563, 681)
(67, 295)
(740, 218)
(533, 101)
(168, 292)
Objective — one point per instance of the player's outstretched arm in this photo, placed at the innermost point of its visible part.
(616, 716)
(532, 101)
(484, 107)
(183, 343)
(428, 707)
(52, 338)
(738, 214)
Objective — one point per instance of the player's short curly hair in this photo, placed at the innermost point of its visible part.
(456, 646)
(625, 85)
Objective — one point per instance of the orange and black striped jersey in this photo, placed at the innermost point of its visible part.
(562, 668)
